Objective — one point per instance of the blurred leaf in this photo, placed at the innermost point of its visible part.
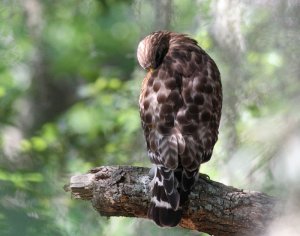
(38, 144)
(81, 120)
(21, 179)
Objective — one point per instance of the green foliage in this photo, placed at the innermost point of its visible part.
(87, 50)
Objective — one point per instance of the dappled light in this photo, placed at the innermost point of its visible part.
(69, 90)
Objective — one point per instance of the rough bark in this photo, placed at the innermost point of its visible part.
(213, 208)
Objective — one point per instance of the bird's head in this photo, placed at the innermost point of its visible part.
(152, 49)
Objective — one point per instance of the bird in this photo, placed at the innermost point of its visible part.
(180, 107)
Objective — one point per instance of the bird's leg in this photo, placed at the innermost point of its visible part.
(152, 172)
(151, 176)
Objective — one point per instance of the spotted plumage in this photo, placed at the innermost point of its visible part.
(180, 108)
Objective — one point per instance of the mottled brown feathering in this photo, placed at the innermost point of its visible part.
(180, 108)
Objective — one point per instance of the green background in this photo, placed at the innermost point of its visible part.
(69, 87)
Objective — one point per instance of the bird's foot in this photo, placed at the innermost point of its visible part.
(204, 176)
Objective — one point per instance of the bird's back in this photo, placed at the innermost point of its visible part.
(180, 107)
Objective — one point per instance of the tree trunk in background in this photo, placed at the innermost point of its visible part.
(226, 33)
(163, 14)
(286, 15)
(48, 96)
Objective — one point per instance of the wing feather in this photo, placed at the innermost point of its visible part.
(180, 107)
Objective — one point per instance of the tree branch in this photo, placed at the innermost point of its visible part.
(213, 208)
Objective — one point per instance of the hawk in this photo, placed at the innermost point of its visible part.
(180, 108)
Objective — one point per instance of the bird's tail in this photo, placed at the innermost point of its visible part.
(188, 179)
(170, 191)
(164, 208)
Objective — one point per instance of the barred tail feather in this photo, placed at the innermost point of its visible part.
(162, 216)
(164, 207)
(168, 150)
(188, 180)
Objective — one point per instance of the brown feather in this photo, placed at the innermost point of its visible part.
(180, 108)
